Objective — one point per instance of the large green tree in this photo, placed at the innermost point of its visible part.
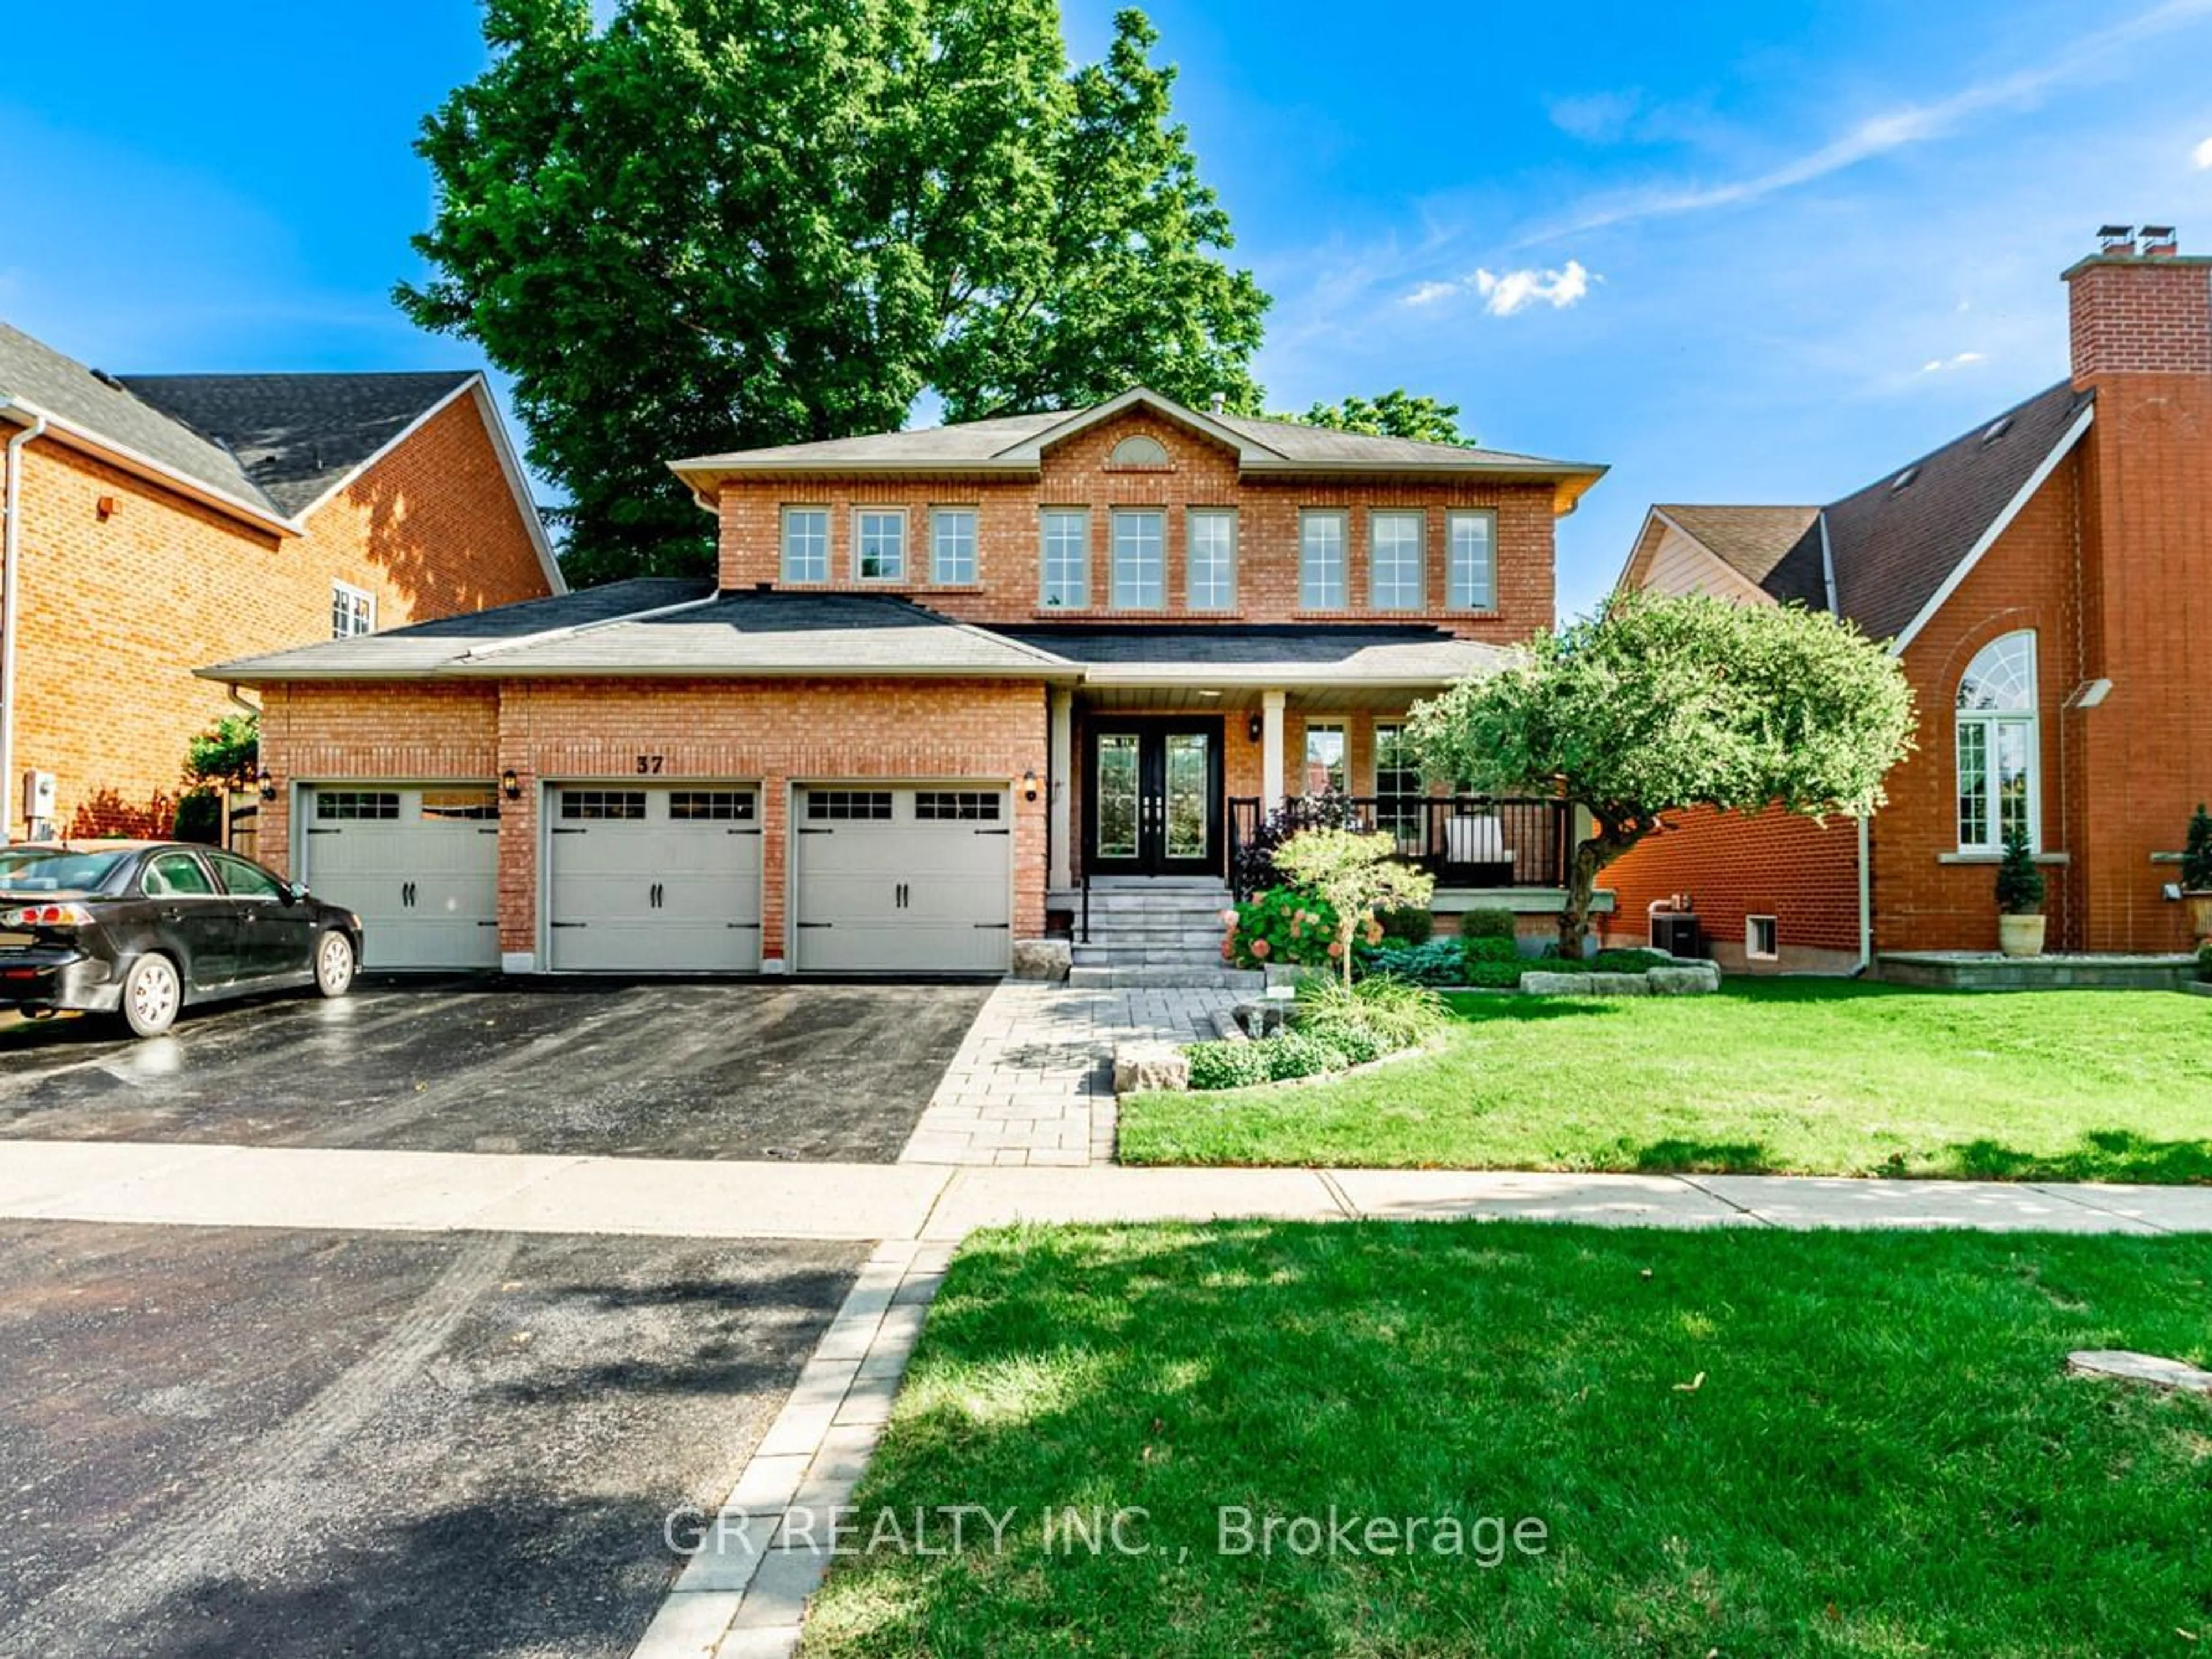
(1396, 414)
(717, 224)
(1658, 705)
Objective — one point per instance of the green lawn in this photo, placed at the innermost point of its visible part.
(1805, 1076)
(1884, 1455)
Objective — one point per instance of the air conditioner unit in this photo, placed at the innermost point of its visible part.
(1675, 931)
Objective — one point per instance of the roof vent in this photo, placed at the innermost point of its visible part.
(1904, 477)
(106, 378)
(1219, 405)
(1996, 429)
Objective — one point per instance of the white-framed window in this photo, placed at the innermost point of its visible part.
(953, 544)
(1471, 572)
(1140, 559)
(1321, 560)
(1395, 556)
(1761, 939)
(806, 543)
(1399, 789)
(1210, 558)
(1326, 759)
(1064, 557)
(879, 543)
(353, 611)
(1140, 453)
(1998, 789)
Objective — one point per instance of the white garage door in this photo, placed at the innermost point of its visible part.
(419, 864)
(653, 880)
(898, 880)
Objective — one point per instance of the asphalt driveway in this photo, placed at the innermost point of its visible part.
(217, 1443)
(823, 1071)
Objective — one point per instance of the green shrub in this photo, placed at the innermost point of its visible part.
(1281, 927)
(1298, 1054)
(1439, 962)
(1358, 1045)
(1412, 923)
(2019, 883)
(1396, 1014)
(199, 817)
(1495, 976)
(1633, 961)
(1227, 1065)
(1489, 924)
(1490, 950)
(2197, 853)
(2204, 963)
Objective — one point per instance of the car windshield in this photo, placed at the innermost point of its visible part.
(55, 869)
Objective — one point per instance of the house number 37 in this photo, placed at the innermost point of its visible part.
(647, 764)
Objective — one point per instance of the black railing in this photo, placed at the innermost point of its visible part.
(1463, 841)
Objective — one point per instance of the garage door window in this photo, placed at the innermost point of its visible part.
(602, 803)
(356, 805)
(460, 806)
(956, 805)
(724, 806)
(848, 804)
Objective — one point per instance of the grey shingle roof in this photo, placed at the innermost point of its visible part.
(1750, 540)
(64, 387)
(296, 436)
(601, 631)
(1348, 653)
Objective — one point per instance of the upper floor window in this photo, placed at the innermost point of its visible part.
(1210, 557)
(1065, 562)
(1471, 577)
(1997, 783)
(953, 544)
(353, 611)
(1320, 562)
(1394, 556)
(879, 545)
(1139, 451)
(1140, 560)
(806, 543)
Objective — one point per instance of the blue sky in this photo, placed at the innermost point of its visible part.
(1741, 251)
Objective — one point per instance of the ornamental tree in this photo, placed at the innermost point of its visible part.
(1357, 875)
(1659, 705)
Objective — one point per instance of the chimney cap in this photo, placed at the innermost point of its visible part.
(2116, 232)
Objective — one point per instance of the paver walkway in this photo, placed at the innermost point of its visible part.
(1033, 1082)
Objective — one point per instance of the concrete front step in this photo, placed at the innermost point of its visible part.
(1158, 906)
(1161, 978)
(1189, 939)
(1137, 956)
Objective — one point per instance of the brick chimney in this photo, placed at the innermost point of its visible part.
(2138, 307)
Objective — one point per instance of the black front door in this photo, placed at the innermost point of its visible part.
(1152, 804)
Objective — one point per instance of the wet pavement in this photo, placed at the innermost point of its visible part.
(821, 1072)
(219, 1442)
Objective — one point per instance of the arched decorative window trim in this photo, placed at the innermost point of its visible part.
(1140, 453)
(2002, 730)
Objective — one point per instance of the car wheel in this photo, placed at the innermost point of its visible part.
(334, 964)
(151, 996)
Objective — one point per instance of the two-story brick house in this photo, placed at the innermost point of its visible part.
(153, 523)
(2045, 581)
(945, 679)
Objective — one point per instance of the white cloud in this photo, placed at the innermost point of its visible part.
(2202, 155)
(1879, 135)
(1503, 296)
(1958, 360)
(1595, 117)
(1429, 293)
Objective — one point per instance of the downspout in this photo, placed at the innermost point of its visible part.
(1866, 898)
(11, 536)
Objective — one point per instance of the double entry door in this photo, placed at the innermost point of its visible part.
(1153, 806)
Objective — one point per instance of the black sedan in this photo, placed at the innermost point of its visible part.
(141, 929)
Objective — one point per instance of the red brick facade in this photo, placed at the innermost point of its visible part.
(2105, 563)
(123, 602)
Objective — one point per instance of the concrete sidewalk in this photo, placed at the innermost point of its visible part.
(440, 1192)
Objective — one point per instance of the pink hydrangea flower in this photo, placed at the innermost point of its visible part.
(1259, 947)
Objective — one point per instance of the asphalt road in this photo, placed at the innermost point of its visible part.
(220, 1443)
(833, 1073)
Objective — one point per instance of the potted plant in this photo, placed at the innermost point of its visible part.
(2196, 872)
(2020, 899)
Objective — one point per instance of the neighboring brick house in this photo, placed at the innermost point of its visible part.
(945, 679)
(157, 522)
(2045, 580)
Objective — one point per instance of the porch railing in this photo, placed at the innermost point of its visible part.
(1463, 841)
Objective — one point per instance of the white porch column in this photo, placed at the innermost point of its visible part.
(1270, 750)
(1059, 772)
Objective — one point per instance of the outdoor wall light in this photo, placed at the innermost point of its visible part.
(1030, 784)
(509, 785)
(1255, 726)
(268, 784)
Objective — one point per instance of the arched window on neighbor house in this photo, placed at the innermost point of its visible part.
(1998, 790)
